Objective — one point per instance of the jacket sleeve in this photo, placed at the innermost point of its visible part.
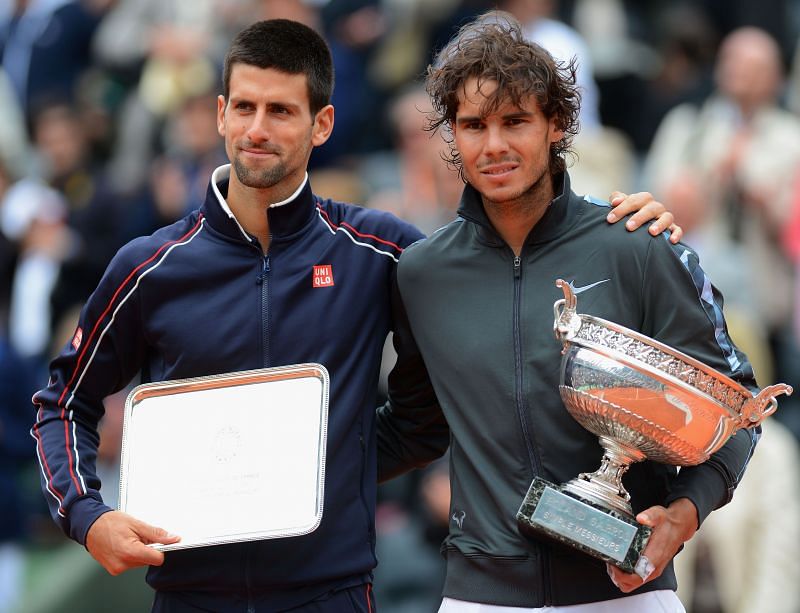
(411, 429)
(684, 310)
(104, 354)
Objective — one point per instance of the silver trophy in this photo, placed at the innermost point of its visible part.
(642, 399)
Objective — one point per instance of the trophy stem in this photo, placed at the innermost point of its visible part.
(604, 486)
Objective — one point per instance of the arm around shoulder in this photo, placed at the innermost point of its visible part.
(411, 428)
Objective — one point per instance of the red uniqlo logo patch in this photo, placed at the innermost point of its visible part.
(76, 340)
(323, 275)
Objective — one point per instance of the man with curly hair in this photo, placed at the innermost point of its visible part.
(471, 305)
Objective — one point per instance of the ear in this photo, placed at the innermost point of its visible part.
(323, 125)
(221, 104)
(450, 127)
(556, 134)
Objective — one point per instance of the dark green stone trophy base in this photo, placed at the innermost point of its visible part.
(601, 532)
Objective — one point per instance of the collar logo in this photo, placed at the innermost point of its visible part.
(323, 275)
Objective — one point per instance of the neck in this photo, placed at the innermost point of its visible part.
(250, 206)
(514, 219)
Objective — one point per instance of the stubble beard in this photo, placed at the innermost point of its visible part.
(259, 179)
(534, 196)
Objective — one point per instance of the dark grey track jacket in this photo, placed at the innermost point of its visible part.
(481, 337)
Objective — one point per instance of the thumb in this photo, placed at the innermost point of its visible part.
(652, 516)
(152, 534)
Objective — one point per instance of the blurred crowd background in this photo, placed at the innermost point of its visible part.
(108, 131)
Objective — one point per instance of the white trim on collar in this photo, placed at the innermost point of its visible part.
(293, 196)
(224, 172)
(220, 173)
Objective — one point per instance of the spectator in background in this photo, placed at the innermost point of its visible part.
(94, 205)
(33, 216)
(603, 159)
(647, 58)
(728, 168)
(14, 144)
(564, 43)
(411, 180)
(45, 46)
(410, 571)
(759, 569)
(178, 176)
(8, 252)
(745, 557)
(353, 29)
(173, 50)
(15, 454)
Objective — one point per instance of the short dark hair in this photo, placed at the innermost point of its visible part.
(287, 46)
(494, 48)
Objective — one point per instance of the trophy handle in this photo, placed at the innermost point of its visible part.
(566, 321)
(763, 405)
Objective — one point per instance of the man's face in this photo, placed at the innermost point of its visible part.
(505, 154)
(268, 128)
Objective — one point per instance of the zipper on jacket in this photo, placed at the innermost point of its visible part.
(261, 280)
(533, 458)
(265, 310)
(370, 523)
(523, 419)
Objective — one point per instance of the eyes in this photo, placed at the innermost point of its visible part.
(476, 125)
(244, 107)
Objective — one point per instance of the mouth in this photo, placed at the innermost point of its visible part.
(498, 171)
(258, 151)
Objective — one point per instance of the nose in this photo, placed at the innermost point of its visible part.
(258, 129)
(495, 143)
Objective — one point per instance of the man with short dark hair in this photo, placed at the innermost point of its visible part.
(472, 305)
(231, 288)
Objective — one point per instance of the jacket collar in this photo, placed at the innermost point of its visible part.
(558, 217)
(286, 218)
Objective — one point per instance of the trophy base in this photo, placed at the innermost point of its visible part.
(589, 527)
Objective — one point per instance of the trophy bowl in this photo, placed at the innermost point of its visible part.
(642, 399)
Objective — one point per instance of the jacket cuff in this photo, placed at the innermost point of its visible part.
(707, 490)
(82, 514)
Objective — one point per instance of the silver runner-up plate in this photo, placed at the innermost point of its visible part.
(227, 458)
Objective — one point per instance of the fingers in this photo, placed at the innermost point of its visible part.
(661, 224)
(627, 582)
(137, 554)
(654, 558)
(141, 553)
(644, 568)
(120, 542)
(643, 206)
(675, 233)
(151, 534)
(651, 210)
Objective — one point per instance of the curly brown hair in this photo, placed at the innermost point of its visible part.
(494, 48)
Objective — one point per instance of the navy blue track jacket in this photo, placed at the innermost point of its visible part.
(199, 297)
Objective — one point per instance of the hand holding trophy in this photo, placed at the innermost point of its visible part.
(642, 399)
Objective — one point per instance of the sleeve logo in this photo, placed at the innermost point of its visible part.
(76, 340)
(323, 275)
